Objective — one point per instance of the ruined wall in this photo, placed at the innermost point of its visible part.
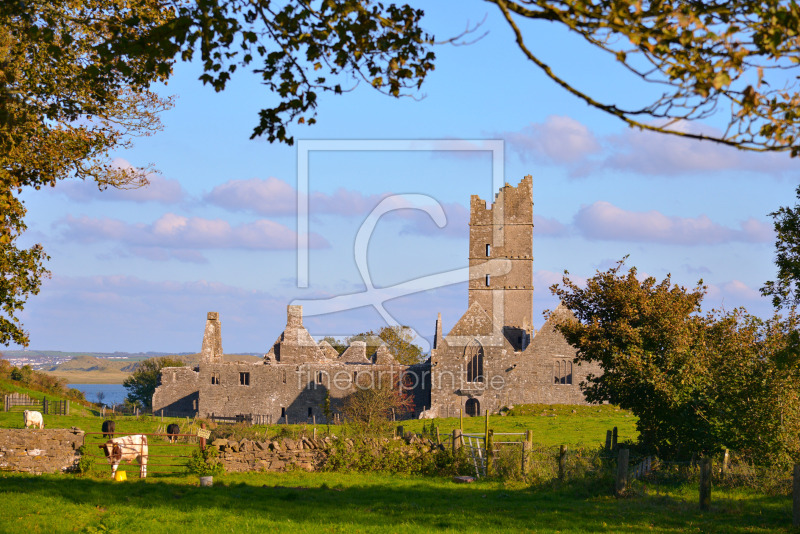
(178, 392)
(283, 390)
(39, 451)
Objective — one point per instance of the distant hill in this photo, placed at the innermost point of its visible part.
(95, 370)
(9, 354)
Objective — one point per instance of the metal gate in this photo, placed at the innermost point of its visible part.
(163, 458)
(476, 445)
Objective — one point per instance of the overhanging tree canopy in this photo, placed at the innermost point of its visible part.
(734, 58)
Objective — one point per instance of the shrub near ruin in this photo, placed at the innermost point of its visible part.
(415, 457)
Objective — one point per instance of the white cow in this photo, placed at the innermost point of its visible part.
(33, 419)
(430, 413)
(127, 449)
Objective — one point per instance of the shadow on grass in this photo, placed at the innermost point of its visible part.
(332, 502)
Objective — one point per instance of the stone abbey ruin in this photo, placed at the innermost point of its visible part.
(491, 358)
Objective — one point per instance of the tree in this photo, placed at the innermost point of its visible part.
(64, 104)
(75, 79)
(703, 57)
(376, 397)
(696, 382)
(398, 339)
(785, 290)
(142, 383)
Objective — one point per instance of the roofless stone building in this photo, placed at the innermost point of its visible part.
(491, 358)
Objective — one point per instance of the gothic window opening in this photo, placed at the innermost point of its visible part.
(562, 372)
(244, 379)
(473, 356)
(214, 379)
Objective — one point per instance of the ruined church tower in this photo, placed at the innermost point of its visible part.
(501, 259)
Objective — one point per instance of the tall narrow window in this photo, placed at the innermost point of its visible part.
(488, 250)
(473, 358)
(283, 412)
(487, 280)
(355, 378)
(244, 379)
(319, 377)
(310, 411)
(562, 371)
(214, 379)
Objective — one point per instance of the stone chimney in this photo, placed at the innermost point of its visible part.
(212, 339)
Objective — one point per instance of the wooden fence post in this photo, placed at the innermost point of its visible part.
(5, 403)
(460, 420)
(527, 445)
(489, 451)
(608, 441)
(438, 440)
(705, 483)
(202, 440)
(796, 496)
(456, 441)
(622, 472)
(486, 427)
(614, 439)
(562, 461)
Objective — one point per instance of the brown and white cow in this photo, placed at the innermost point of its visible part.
(127, 449)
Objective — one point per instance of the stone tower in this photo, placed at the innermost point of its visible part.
(501, 260)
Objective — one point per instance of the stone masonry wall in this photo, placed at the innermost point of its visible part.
(39, 451)
(283, 454)
(272, 455)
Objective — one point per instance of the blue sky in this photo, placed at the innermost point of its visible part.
(216, 230)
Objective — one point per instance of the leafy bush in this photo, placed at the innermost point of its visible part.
(206, 462)
(86, 460)
(394, 456)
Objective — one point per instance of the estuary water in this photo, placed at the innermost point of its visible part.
(113, 393)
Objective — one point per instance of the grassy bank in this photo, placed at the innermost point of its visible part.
(334, 502)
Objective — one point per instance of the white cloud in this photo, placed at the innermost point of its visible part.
(602, 220)
(172, 235)
(559, 139)
(272, 196)
(160, 190)
(565, 141)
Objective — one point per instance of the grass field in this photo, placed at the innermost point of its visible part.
(335, 502)
(374, 502)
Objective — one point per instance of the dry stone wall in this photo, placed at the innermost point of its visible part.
(272, 455)
(285, 454)
(39, 451)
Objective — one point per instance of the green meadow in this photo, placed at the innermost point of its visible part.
(373, 502)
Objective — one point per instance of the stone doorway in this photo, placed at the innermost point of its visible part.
(473, 407)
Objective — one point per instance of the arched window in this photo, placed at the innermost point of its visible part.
(562, 371)
(473, 357)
